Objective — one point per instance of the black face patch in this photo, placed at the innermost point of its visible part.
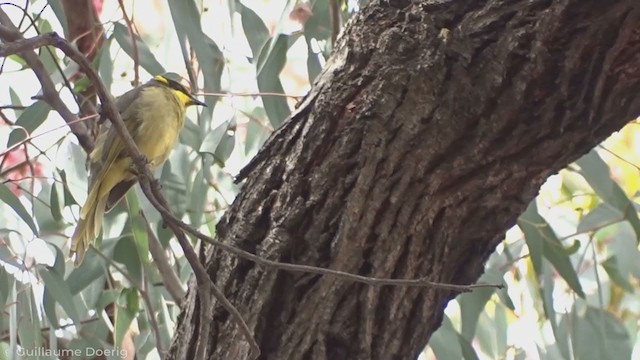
(177, 86)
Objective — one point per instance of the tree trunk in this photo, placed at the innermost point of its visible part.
(431, 128)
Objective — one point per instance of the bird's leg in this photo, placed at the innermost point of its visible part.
(133, 168)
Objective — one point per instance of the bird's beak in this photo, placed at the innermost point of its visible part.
(195, 101)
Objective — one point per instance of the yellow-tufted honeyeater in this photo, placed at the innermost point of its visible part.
(154, 115)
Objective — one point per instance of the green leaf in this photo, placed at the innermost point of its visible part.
(198, 198)
(597, 335)
(44, 213)
(227, 144)
(543, 241)
(105, 63)
(6, 284)
(444, 342)
(75, 174)
(611, 267)
(55, 203)
(191, 135)
(126, 252)
(128, 305)
(49, 305)
(471, 306)
(47, 54)
(10, 199)
(314, 63)
(59, 290)
(58, 10)
(15, 100)
(468, 352)
(29, 120)
(220, 142)
(91, 269)
(138, 226)
(270, 64)
(500, 326)
(255, 30)
(145, 57)
(186, 18)
(596, 172)
(257, 134)
(29, 323)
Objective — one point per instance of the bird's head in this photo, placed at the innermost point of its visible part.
(172, 81)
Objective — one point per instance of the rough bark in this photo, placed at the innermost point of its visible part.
(431, 128)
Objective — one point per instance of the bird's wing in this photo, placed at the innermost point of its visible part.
(109, 146)
(106, 136)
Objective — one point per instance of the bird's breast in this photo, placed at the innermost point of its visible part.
(163, 118)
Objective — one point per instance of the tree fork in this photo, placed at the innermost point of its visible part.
(428, 132)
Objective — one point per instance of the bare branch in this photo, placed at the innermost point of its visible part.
(169, 276)
(14, 43)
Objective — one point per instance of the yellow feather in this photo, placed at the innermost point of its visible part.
(154, 119)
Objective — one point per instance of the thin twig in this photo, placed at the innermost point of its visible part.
(13, 107)
(134, 44)
(15, 43)
(31, 136)
(251, 94)
(373, 281)
(334, 13)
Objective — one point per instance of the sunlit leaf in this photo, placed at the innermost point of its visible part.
(144, 55)
(444, 342)
(596, 172)
(542, 241)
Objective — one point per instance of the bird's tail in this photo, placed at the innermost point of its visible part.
(89, 226)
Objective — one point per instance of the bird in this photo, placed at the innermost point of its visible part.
(154, 114)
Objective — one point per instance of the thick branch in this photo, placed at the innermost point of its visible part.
(427, 134)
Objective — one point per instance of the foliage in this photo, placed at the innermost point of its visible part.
(568, 266)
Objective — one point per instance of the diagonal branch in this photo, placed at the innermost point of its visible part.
(14, 43)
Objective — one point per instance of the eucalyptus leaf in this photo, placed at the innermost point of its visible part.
(255, 30)
(542, 241)
(10, 199)
(60, 291)
(270, 63)
(145, 57)
(30, 119)
(596, 172)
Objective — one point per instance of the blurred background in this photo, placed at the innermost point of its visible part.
(570, 266)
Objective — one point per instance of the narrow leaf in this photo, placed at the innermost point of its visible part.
(10, 199)
(29, 120)
(145, 57)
